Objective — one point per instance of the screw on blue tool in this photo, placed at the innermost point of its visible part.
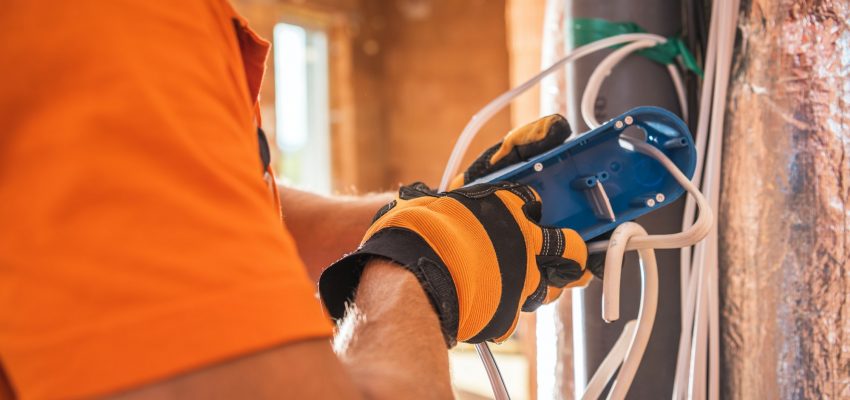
(596, 181)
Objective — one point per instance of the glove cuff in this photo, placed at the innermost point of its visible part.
(338, 283)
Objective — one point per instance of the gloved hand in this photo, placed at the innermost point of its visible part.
(521, 144)
(478, 252)
(518, 145)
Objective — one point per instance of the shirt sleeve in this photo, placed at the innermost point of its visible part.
(139, 240)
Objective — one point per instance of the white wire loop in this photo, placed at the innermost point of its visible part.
(604, 69)
(628, 236)
(648, 304)
(485, 114)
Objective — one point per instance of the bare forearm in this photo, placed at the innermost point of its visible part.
(391, 348)
(325, 228)
(391, 339)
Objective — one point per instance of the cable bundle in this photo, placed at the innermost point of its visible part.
(698, 357)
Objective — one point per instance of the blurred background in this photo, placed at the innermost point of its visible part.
(364, 95)
(361, 95)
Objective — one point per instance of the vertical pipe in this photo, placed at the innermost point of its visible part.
(636, 81)
(785, 205)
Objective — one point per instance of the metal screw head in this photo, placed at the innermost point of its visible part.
(538, 167)
(650, 202)
(660, 197)
(629, 120)
(618, 124)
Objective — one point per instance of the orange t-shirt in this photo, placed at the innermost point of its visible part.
(138, 239)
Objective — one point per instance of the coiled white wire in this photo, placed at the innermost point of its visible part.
(669, 241)
(699, 355)
(485, 114)
(604, 68)
(688, 237)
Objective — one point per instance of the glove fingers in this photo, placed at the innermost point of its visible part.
(480, 167)
(553, 293)
(533, 211)
(564, 243)
(596, 265)
(384, 210)
(519, 144)
(531, 139)
(574, 248)
(562, 258)
(596, 262)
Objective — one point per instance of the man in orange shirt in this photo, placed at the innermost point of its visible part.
(142, 254)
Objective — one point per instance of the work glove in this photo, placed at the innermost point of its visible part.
(521, 144)
(518, 145)
(478, 252)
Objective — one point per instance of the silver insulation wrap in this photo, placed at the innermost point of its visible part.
(785, 205)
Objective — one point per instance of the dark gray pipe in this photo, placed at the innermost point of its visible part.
(635, 82)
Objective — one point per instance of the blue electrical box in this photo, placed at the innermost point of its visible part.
(597, 181)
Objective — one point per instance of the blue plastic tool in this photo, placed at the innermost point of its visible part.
(595, 182)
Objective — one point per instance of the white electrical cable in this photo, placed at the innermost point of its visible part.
(473, 127)
(699, 283)
(642, 242)
(708, 368)
(647, 255)
(604, 68)
(611, 286)
(689, 279)
(698, 357)
(688, 283)
(648, 305)
(611, 363)
(588, 101)
(670, 241)
(701, 227)
(500, 390)
(614, 257)
(481, 117)
(675, 240)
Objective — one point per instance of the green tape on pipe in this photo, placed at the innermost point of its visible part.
(587, 30)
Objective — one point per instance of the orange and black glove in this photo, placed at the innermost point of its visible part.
(521, 144)
(518, 145)
(477, 251)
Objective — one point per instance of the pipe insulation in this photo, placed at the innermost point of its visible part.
(784, 226)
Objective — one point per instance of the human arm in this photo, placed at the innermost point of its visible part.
(389, 348)
(144, 249)
(142, 246)
(325, 228)
(391, 343)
